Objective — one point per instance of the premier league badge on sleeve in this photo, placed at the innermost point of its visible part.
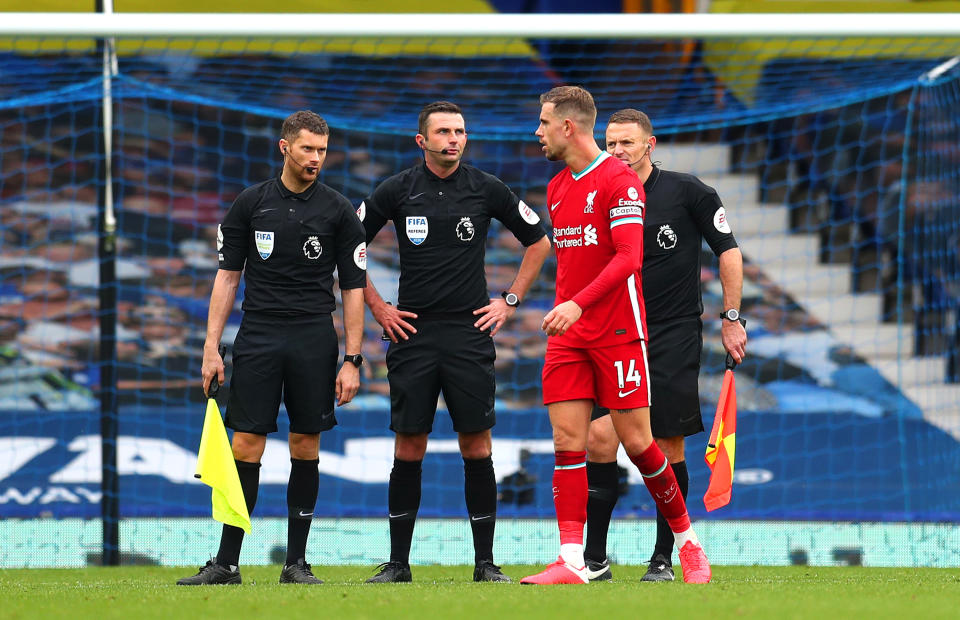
(264, 241)
(417, 229)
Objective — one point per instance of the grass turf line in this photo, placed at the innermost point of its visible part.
(448, 592)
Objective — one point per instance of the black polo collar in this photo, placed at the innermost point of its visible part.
(305, 195)
(431, 176)
(651, 180)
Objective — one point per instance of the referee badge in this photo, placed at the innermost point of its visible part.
(417, 229)
(264, 241)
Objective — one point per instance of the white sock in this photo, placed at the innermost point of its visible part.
(681, 538)
(572, 554)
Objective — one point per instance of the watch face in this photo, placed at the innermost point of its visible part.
(512, 299)
(731, 314)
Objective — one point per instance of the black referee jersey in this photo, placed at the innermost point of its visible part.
(442, 227)
(288, 246)
(680, 212)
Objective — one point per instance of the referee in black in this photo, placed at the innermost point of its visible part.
(442, 328)
(681, 212)
(287, 235)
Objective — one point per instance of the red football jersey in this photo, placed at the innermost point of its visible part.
(597, 217)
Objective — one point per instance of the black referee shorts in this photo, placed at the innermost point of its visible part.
(294, 358)
(673, 352)
(447, 355)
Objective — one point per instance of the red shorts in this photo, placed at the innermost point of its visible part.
(615, 377)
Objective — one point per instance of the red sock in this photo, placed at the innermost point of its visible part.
(662, 485)
(570, 495)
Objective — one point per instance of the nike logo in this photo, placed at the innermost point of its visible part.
(306, 514)
(415, 196)
(399, 515)
(555, 205)
(623, 394)
(479, 517)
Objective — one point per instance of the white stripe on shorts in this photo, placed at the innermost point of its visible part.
(646, 370)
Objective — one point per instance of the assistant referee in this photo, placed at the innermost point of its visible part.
(287, 235)
(681, 212)
(442, 328)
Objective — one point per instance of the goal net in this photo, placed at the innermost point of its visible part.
(836, 157)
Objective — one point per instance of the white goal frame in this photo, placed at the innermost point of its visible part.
(446, 25)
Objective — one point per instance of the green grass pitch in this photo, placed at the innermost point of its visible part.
(440, 592)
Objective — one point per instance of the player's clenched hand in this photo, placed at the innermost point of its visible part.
(494, 314)
(561, 318)
(734, 338)
(348, 383)
(392, 321)
(212, 367)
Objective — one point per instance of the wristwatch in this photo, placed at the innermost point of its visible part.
(356, 360)
(731, 315)
(510, 298)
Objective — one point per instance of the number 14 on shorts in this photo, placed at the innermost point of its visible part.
(631, 377)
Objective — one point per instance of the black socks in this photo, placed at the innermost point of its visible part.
(404, 502)
(480, 491)
(302, 492)
(232, 537)
(603, 486)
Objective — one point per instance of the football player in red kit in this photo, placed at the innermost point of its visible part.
(596, 350)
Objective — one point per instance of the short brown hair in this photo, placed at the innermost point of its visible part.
(304, 119)
(437, 107)
(572, 101)
(630, 115)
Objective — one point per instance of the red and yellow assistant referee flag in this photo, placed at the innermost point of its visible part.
(216, 468)
(722, 447)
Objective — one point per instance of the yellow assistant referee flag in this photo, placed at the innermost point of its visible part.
(216, 468)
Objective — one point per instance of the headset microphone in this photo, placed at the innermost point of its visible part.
(645, 153)
(424, 147)
(293, 159)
